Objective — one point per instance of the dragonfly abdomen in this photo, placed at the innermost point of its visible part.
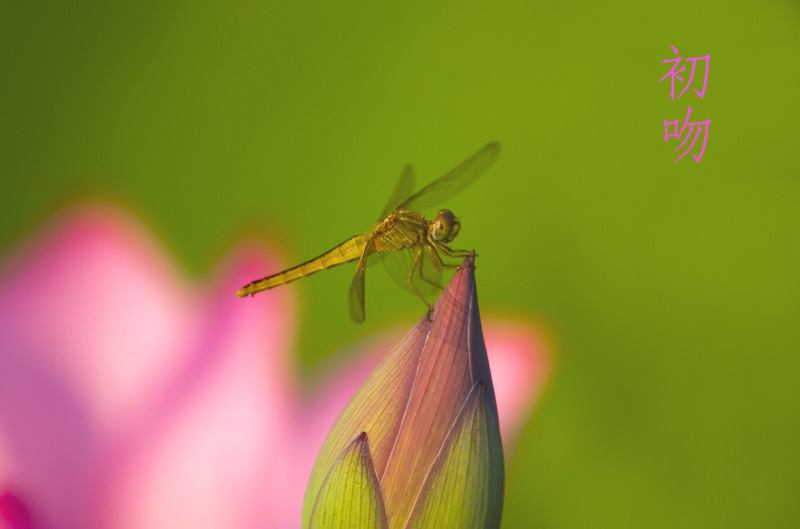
(350, 250)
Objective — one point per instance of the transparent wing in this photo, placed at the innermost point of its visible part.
(404, 187)
(356, 296)
(451, 183)
(399, 264)
(357, 290)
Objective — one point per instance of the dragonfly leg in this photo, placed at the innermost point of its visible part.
(417, 264)
(447, 251)
(437, 265)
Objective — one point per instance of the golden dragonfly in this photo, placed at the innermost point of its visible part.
(408, 245)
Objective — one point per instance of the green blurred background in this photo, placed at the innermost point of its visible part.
(671, 289)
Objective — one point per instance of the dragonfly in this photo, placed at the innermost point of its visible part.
(410, 246)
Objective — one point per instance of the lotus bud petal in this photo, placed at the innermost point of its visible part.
(350, 497)
(465, 486)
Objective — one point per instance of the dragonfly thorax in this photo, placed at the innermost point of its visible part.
(444, 226)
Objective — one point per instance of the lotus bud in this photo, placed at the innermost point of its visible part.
(418, 445)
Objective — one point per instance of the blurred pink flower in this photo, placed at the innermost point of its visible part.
(133, 397)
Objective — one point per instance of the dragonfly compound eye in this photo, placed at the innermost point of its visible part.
(445, 226)
(454, 231)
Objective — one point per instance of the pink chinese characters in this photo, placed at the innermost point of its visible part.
(698, 125)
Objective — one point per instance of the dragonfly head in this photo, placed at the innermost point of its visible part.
(444, 227)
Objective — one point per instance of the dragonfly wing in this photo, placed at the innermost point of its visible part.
(399, 264)
(404, 187)
(356, 295)
(451, 183)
